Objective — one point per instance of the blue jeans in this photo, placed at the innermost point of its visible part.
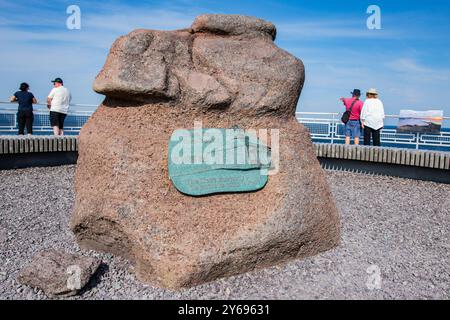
(353, 129)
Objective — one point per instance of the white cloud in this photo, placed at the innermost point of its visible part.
(408, 66)
(38, 48)
(147, 19)
(325, 29)
(332, 69)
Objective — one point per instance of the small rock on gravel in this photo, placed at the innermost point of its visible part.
(58, 273)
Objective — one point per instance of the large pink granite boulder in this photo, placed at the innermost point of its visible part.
(225, 71)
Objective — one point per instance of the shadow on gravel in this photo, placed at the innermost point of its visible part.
(95, 279)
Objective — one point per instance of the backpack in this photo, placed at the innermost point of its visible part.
(346, 116)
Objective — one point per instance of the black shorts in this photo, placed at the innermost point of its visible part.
(57, 119)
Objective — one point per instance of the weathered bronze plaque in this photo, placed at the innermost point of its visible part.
(209, 161)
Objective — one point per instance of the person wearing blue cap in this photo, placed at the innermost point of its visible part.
(58, 102)
(353, 107)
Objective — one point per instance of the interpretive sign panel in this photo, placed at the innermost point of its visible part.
(209, 161)
(420, 121)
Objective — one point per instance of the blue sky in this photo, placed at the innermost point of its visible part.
(408, 61)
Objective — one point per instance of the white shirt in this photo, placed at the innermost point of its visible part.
(372, 114)
(60, 99)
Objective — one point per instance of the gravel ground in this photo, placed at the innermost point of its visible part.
(396, 228)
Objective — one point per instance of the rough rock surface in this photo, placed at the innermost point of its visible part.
(225, 71)
(58, 273)
(228, 24)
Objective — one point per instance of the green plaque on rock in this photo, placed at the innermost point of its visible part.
(211, 161)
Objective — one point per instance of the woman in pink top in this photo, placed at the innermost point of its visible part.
(353, 126)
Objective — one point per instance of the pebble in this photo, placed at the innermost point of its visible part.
(399, 225)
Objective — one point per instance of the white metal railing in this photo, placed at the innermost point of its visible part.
(323, 126)
(327, 127)
(41, 124)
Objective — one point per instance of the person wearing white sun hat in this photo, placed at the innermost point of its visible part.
(372, 118)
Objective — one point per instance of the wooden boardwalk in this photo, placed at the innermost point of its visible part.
(408, 157)
(33, 144)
